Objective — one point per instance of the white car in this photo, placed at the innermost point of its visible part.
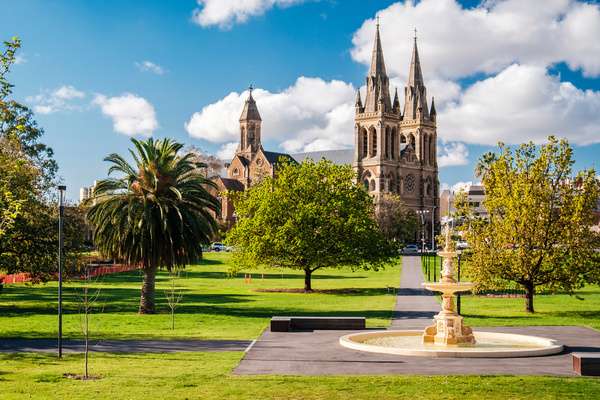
(219, 247)
(461, 245)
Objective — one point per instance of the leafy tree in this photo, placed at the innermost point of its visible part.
(29, 239)
(397, 222)
(157, 213)
(538, 233)
(311, 216)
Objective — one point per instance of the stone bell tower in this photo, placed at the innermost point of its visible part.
(250, 126)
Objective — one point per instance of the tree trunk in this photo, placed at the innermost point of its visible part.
(529, 292)
(307, 283)
(147, 296)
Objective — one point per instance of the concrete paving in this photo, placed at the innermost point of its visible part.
(319, 352)
(415, 306)
(122, 346)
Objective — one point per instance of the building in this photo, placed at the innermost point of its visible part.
(250, 163)
(475, 197)
(86, 192)
(394, 151)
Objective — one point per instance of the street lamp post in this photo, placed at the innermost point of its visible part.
(433, 229)
(458, 277)
(61, 214)
(422, 214)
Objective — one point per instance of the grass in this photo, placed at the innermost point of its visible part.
(551, 309)
(214, 305)
(208, 376)
(581, 309)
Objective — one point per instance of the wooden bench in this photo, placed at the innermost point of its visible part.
(586, 364)
(289, 324)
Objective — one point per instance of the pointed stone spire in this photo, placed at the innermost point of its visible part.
(415, 93)
(358, 104)
(250, 111)
(377, 64)
(432, 112)
(396, 103)
(377, 97)
(415, 76)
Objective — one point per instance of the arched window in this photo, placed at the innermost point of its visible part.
(236, 172)
(388, 139)
(365, 142)
(250, 134)
(425, 155)
(373, 141)
(394, 143)
(411, 139)
(372, 185)
(366, 183)
(402, 138)
(432, 155)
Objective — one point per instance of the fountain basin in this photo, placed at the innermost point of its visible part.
(489, 345)
(449, 287)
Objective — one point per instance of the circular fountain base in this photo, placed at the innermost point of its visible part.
(489, 345)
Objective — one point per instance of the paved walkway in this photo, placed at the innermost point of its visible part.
(415, 306)
(122, 346)
(319, 352)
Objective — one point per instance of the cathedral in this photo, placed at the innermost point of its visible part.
(395, 150)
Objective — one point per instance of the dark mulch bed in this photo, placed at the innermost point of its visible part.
(81, 377)
(322, 291)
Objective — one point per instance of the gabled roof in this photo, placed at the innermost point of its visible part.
(273, 157)
(338, 157)
(232, 184)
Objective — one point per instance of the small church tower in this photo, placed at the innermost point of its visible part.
(250, 126)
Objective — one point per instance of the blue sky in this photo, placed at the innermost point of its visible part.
(180, 67)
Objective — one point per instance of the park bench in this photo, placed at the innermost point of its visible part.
(289, 324)
(586, 364)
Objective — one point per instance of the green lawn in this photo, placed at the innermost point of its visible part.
(555, 309)
(214, 305)
(208, 376)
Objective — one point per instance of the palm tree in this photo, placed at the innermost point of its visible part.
(157, 214)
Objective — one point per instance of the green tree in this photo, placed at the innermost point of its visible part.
(27, 180)
(311, 216)
(538, 233)
(158, 213)
(397, 222)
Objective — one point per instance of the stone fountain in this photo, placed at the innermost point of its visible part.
(448, 327)
(448, 336)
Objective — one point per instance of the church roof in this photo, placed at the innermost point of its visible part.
(250, 111)
(232, 184)
(338, 157)
(273, 157)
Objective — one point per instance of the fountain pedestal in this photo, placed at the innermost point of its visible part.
(448, 328)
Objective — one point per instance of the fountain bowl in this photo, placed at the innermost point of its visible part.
(489, 345)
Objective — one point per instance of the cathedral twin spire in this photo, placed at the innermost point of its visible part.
(378, 96)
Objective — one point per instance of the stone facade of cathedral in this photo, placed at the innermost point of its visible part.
(394, 147)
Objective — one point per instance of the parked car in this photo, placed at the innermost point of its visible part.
(461, 245)
(410, 249)
(218, 247)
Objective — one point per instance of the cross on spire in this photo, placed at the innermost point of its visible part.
(378, 21)
(415, 37)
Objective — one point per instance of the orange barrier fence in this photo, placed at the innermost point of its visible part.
(95, 270)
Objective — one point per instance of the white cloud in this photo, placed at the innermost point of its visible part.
(227, 151)
(149, 66)
(453, 154)
(63, 98)
(522, 103)
(456, 42)
(130, 114)
(20, 59)
(312, 114)
(226, 13)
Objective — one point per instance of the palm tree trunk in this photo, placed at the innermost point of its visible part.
(147, 296)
